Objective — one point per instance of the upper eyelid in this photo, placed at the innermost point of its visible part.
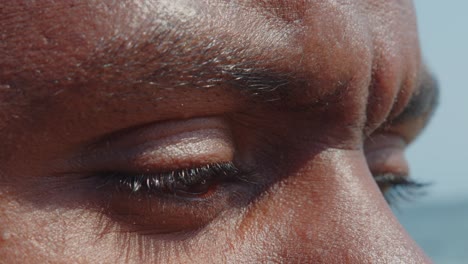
(423, 102)
(416, 114)
(167, 145)
(156, 131)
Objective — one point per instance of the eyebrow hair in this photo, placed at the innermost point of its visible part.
(176, 59)
(204, 67)
(263, 83)
(205, 61)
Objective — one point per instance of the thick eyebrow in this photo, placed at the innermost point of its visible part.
(177, 62)
(175, 57)
(423, 102)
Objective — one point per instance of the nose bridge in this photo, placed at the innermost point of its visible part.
(331, 213)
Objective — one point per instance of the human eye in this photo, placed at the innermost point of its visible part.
(181, 200)
(173, 177)
(385, 147)
(385, 154)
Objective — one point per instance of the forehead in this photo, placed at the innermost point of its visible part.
(55, 39)
(55, 44)
(84, 24)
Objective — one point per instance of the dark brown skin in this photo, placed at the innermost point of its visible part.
(312, 98)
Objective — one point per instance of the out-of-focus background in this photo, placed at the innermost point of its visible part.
(438, 221)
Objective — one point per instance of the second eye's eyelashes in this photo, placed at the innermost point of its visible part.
(194, 182)
(396, 188)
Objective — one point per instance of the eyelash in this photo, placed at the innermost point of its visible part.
(178, 182)
(399, 188)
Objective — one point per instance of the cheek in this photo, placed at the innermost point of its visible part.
(330, 210)
(36, 230)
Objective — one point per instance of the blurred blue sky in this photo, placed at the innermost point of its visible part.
(440, 155)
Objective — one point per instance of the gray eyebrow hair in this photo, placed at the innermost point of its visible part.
(174, 58)
(263, 82)
(250, 78)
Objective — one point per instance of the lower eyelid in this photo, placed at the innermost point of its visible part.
(161, 211)
(170, 214)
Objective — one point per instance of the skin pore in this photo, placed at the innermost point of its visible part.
(184, 131)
